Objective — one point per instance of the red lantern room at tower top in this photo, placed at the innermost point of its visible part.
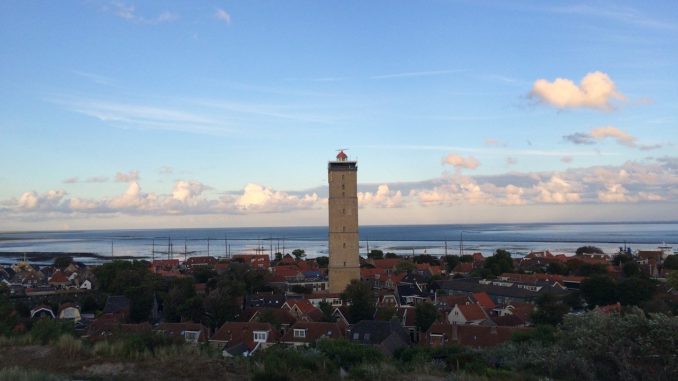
(341, 156)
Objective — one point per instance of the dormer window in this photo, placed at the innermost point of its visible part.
(260, 336)
(299, 333)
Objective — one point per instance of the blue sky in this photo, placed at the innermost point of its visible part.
(222, 113)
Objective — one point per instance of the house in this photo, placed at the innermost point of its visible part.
(305, 333)
(521, 310)
(117, 306)
(164, 266)
(333, 299)
(411, 294)
(472, 314)
(279, 318)
(302, 309)
(255, 261)
(200, 261)
(501, 292)
(69, 311)
(86, 285)
(261, 299)
(447, 302)
(59, 279)
(191, 333)
(104, 327)
(42, 311)
(463, 268)
(243, 339)
(386, 336)
(477, 336)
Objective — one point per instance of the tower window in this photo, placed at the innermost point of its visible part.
(342, 186)
(343, 228)
(343, 211)
(344, 245)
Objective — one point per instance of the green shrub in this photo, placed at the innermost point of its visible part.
(20, 374)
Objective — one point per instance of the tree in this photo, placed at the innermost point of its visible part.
(62, 261)
(499, 263)
(426, 258)
(557, 268)
(466, 258)
(599, 290)
(550, 310)
(425, 314)
(298, 253)
(636, 290)
(672, 279)
(322, 262)
(451, 262)
(671, 262)
(405, 266)
(278, 256)
(375, 254)
(631, 269)
(391, 256)
(361, 301)
(589, 250)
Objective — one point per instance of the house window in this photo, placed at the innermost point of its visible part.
(299, 333)
(356, 336)
(367, 337)
(191, 336)
(260, 336)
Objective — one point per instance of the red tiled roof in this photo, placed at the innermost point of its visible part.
(451, 300)
(313, 331)
(388, 263)
(177, 329)
(58, 277)
(233, 333)
(484, 300)
(470, 335)
(472, 311)
(463, 267)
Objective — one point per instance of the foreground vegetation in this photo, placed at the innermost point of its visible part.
(593, 346)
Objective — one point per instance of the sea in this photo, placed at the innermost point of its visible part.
(519, 239)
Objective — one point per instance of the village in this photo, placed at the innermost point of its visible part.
(247, 303)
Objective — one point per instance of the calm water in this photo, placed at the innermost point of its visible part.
(520, 239)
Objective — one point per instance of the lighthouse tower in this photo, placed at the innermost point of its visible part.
(344, 263)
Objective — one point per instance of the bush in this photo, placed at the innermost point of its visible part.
(21, 374)
(347, 354)
(47, 330)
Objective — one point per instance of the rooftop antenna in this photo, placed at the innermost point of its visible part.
(270, 244)
(112, 252)
(185, 251)
(226, 244)
(446, 245)
(169, 247)
(153, 250)
(367, 240)
(461, 243)
(208, 246)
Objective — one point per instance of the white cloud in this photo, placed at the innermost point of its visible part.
(222, 15)
(596, 90)
(131, 176)
(258, 198)
(459, 162)
(45, 201)
(557, 190)
(382, 198)
(187, 191)
(611, 132)
(128, 12)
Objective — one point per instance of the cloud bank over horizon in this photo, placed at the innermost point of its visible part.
(650, 181)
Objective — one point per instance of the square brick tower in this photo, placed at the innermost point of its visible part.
(344, 263)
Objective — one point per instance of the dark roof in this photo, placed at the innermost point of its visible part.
(375, 332)
(473, 335)
(472, 285)
(265, 300)
(115, 304)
